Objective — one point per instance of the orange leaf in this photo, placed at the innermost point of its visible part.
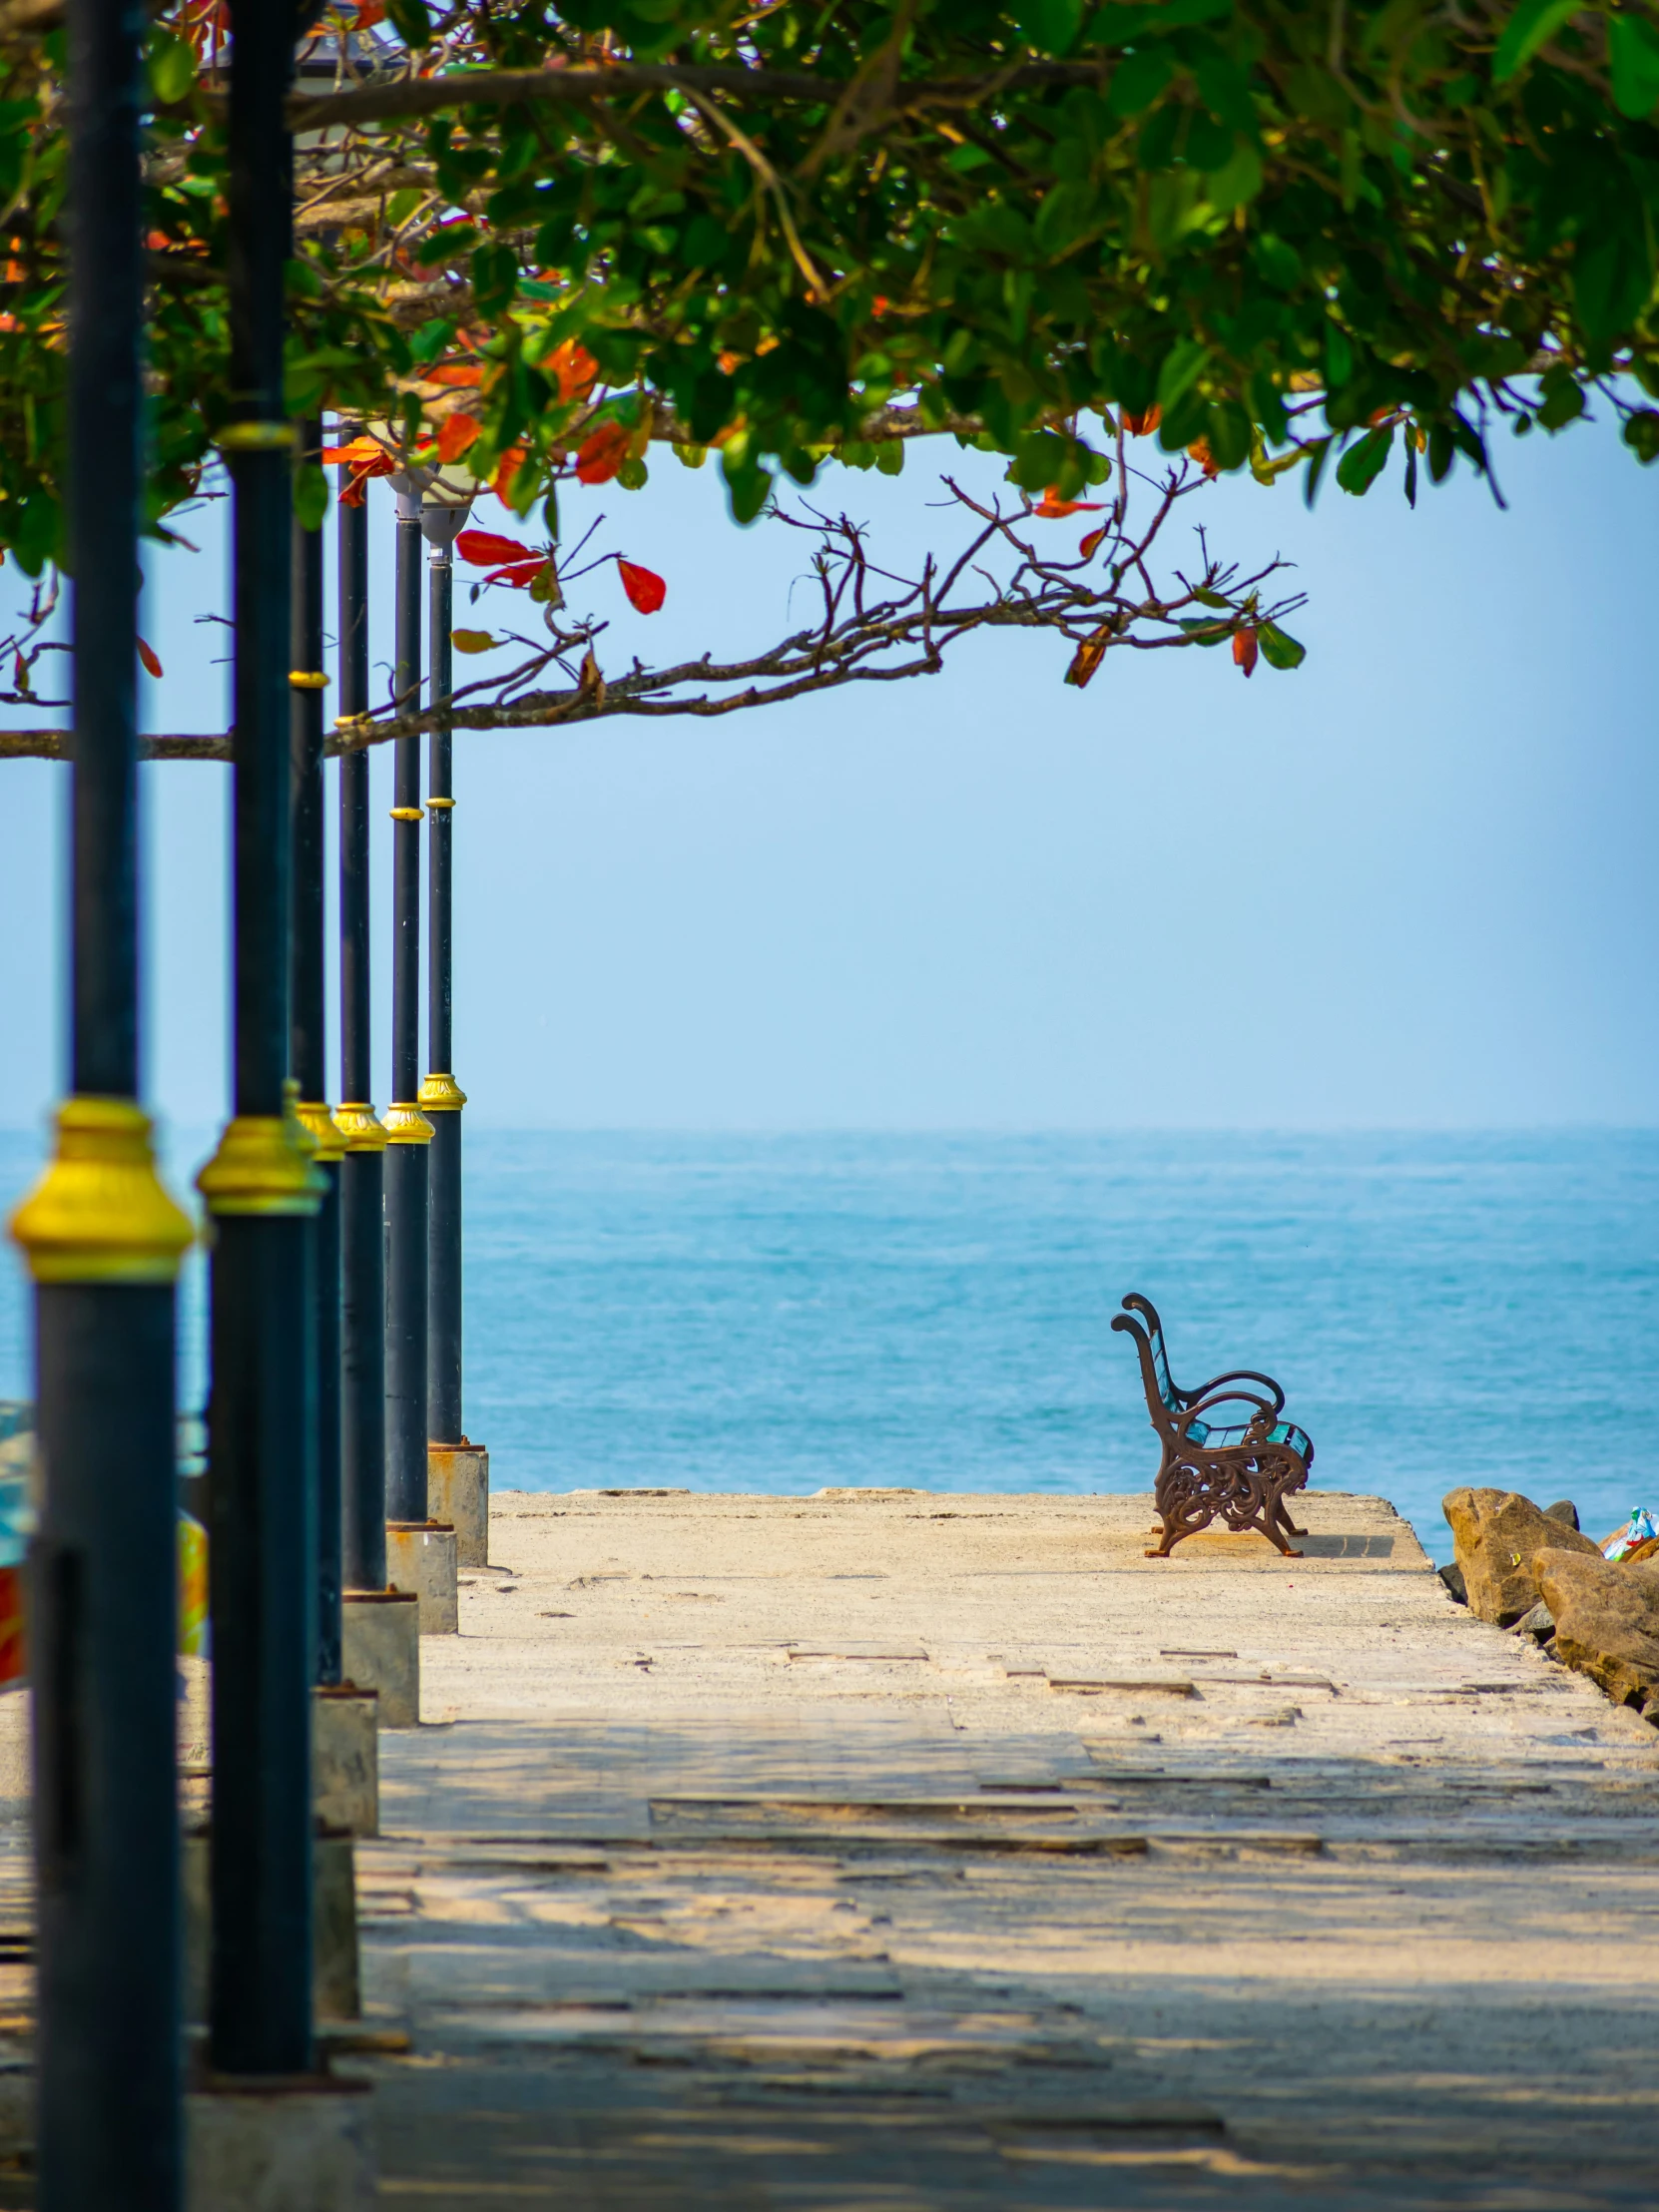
(601, 455)
(1053, 509)
(729, 361)
(370, 12)
(152, 667)
(878, 306)
(365, 455)
(1245, 648)
(511, 462)
(1089, 656)
(455, 434)
(575, 368)
(1201, 454)
(645, 588)
(1091, 544)
(449, 373)
(487, 549)
(1143, 424)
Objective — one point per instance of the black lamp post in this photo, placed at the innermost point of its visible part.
(261, 1186)
(409, 1132)
(103, 1242)
(363, 1228)
(440, 1094)
(310, 1060)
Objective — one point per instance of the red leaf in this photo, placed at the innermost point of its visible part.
(1143, 424)
(521, 576)
(488, 549)
(1091, 544)
(456, 434)
(1245, 648)
(1053, 509)
(370, 12)
(152, 667)
(645, 588)
(601, 455)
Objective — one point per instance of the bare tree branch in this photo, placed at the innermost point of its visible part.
(873, 627)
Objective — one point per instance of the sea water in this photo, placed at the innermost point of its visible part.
(779, 1314)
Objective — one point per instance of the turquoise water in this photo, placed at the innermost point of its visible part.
(777, 1313)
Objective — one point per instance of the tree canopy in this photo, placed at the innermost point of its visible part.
(539, 242)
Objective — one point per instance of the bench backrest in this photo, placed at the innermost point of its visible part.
(1140, 1320)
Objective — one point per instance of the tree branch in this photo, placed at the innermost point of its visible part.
(416, 96)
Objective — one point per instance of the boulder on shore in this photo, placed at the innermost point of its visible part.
(1606, 1620)
(1562, 1510)
(1496, 1534)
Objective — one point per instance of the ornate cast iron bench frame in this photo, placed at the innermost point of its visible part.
(1240, 1473)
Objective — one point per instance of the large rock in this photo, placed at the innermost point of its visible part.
(1495, 1533)
(1606, 1620)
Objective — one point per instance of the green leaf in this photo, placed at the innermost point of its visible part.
(1633, 49)
(889, 456)
(1641, 434)
(402, 205)
(1050, 25)
(1612, 276)
(1277, 649)
(494, 277)
(1318, 452)
(1534, 24)
(311, 496)
(1361, 464)
(1183, 365)
(432, 339)
(1563, 402)
(171, 64)
(472, 641)
(1239, 178)
(410, 21)
(1137, 80)
(747, 484)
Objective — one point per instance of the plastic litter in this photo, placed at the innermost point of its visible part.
(1640, 1528)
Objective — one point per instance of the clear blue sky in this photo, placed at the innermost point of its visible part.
(1410, 884)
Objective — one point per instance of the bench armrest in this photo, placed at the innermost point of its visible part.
(1239, 1374)
(1265, 1407)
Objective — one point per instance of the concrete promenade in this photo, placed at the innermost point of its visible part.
(889, 1850)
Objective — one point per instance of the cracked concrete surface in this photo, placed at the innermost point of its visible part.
(888, 1849)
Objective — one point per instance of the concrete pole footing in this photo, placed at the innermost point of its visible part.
(345, 1760)
(335, 1979)
(380, 1651)
(420, 1557)
(458, 1491)
(285, 2143)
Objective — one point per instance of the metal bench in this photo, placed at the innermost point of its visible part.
(1240, 1473)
